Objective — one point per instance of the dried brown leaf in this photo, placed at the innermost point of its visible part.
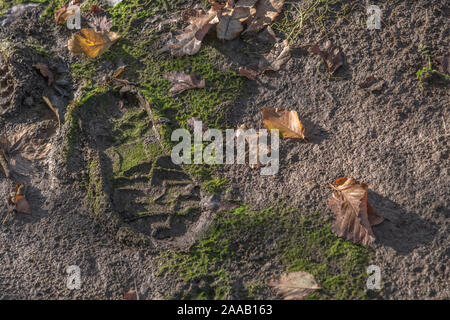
(295, 285)
(182, 81)
(266, 12)
(286, 121)
(91, 42)
(351, 212)
(190, 41)
(68, 10)
(18, 199)
(280, 54)
(230, 21)
(45, 71)
(331, 54)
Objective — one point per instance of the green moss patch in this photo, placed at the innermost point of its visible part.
(303, 242)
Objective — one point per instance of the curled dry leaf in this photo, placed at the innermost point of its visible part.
(91, 42)
(231, 19)
(295, 285)
(286, 121)
(266, 12)
(55, 110)
(18, 199)
(190, 41)
(331, 54)
(68, 10)
(353, 216)
(182, 81)
(280, 54)
(45, 71)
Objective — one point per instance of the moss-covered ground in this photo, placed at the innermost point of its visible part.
(303, 242)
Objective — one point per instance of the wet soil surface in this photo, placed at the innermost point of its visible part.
(394, 137)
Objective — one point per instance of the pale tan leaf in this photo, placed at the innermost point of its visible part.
(189, 42)
(230, 22)
(280, 54)
(295, 285)
(266, 13)
(286, 121)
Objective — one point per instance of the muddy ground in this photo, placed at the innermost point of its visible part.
(122, 219)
